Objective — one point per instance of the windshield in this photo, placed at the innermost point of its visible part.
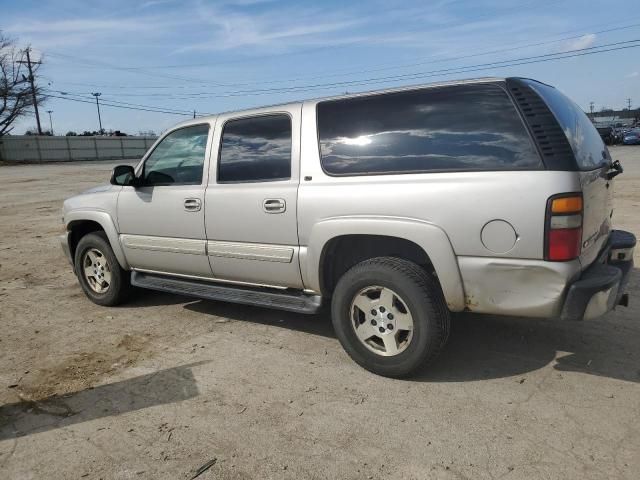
(587, 146)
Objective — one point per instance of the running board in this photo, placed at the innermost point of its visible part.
(259, 296)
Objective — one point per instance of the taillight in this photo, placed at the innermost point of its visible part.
(563, 227)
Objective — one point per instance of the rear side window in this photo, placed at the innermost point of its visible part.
(256, 149)
(467, 127)
(585, 141)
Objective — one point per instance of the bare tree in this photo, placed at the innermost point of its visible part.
(16, 96)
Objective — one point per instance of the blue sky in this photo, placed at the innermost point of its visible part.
(222, 55)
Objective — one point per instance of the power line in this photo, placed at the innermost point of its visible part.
(82, 96)
(466, 69)
(476, 67)
(407, 65)
(491, 52)
(438, 28)
(104, 104)
(504, 64)
(303, 88)
(141, 69)
(413, 76)
(382, 68)
(93, 63)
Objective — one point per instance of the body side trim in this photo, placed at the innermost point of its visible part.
(208, 279)
(250, 251)
(164, 244)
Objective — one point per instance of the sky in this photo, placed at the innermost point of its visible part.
(211, 56)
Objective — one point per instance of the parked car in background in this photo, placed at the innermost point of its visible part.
(632, 138)
(396, 207)
(618, 135)
(607, 134)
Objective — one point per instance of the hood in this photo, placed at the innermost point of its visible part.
(100, 198)
(100, 188)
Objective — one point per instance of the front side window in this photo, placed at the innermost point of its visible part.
(178, 158)
(465, 127)
(256, 149)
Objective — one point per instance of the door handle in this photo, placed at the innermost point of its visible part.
(274, 205)
(192, 204)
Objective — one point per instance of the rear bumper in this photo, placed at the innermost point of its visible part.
(602, 286)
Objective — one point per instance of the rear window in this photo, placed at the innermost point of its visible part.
(585, 141)
(467, 127)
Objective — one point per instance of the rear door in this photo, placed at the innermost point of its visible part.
(593, 160)
(251, 200)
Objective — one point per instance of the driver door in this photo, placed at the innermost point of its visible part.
(161, 220)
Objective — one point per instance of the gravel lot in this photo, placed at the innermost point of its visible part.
(165, 384)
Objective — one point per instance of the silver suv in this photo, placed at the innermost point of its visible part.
(396, 207)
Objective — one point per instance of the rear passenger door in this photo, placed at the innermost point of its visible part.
(250, 214)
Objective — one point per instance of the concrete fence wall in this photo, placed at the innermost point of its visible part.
(35, 149)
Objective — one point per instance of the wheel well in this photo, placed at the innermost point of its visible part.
(79, 229)
(342, 253)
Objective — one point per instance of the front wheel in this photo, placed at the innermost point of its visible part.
(390, 316)
(98, 270)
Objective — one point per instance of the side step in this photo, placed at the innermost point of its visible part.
(258, 296)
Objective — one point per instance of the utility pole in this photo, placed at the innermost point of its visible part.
(194, 114)
(50, 121)
(97, 94)
(27, 51)
(591, 104)
(629, 103)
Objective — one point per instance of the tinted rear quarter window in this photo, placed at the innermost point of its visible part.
(256, 149)
(467, 127)
(586, 143)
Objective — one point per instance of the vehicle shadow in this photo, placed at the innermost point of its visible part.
(319, 324)
(487, 346)
(165, 386)
(142, 298)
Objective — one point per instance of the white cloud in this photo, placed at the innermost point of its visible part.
(633, 75)
(154, 3)
(91, 30)
(584, 41)
(234, 29)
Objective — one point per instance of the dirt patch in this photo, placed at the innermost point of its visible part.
(81, 370)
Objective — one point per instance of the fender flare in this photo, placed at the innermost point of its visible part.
(431, 238)
(108, 225)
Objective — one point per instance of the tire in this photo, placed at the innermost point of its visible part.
(96, 245)
(400, 351)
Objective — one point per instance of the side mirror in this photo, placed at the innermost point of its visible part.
(615, 169)
(123, 175)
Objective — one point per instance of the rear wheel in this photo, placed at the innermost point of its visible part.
(390, 316)
(98, 270)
